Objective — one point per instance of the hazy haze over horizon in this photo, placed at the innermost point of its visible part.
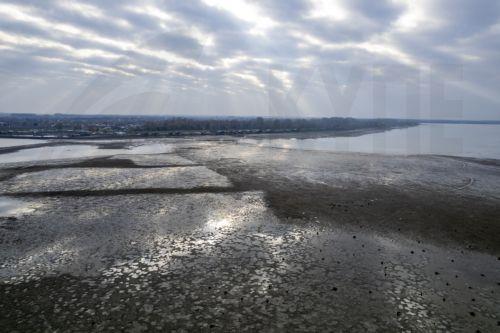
(393, 58)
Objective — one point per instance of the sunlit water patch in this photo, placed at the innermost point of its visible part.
(14, 207)
(81, 179)
(9, 142)
(81, 151)
(226, 260)
(155, 159)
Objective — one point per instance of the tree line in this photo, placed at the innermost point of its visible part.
(271, 124)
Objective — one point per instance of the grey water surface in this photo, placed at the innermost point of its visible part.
(465, 140)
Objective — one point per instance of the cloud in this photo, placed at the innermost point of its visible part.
(177, 43)
(228, 53)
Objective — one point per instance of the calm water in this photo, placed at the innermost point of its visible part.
(78, 151)
(481, 141)
(5, 142)
(12, 207)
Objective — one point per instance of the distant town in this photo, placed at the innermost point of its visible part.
(110, 126)
(69, 126)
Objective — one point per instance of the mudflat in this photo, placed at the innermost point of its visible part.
(223, 236)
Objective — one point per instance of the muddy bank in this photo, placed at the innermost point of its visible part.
(114, 192)
(216, 236)
(100, 162)
(422, 209)
(123, 144)
(8, 150)
(439, 210)
(225, 262)
(321, 134)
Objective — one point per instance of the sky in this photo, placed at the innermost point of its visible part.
(293, 58)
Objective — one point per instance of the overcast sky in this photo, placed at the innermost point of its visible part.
(393, 58)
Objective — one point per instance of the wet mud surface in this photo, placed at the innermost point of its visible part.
(420, 197)
(218, 236)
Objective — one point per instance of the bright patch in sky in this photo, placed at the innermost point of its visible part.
(247, 12)
(329, 9)
(251, 57)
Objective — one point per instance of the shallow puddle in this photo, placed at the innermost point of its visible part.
(226, 260)
(81, 151)
(7, 142)
(14, 207)
(93, 179)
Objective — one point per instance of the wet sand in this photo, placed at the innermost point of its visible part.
(220, 236)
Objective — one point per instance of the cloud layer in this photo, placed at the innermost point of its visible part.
(359, 58)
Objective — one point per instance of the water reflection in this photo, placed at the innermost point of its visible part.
(14, 207)
(481, 141)
(6, 142)
(80, 151)
(218, 223)
(306, 274)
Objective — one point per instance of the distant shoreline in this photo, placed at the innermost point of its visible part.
(88, 140)
(250, 134)
(323, 134)
(73, 127)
